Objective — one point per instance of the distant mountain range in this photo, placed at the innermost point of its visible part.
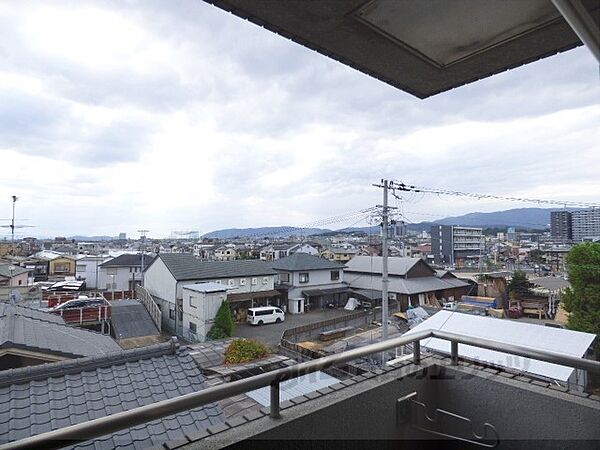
(528, 218)
(263, 232)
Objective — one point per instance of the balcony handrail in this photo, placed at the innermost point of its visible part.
(91, 429)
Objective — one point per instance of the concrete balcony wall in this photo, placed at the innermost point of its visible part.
(534, 415)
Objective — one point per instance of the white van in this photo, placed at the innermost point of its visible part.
(265, 314)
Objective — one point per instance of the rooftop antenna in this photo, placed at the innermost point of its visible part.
(143, 250)
(12, 225)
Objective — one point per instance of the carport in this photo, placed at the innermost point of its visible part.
(320, 298)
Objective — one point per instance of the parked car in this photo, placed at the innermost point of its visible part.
(265, 314)
(80, 303)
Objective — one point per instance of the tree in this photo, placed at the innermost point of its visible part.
(582, 299)
(223, 326)
(519, 284)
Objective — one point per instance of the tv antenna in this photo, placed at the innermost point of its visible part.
(12, 225)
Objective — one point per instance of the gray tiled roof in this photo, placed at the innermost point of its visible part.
(185, 266)
(374, 264)
(44, 398)
(304, 261)
(5, 272)
(25, 311)
(39, 331)
(128, 260)
(131, 319)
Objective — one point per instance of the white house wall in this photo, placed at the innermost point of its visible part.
(160, 283)
(203, 315)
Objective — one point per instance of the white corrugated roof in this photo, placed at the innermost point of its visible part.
(537, 337)
(294, 388)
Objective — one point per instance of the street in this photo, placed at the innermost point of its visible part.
(270, 334)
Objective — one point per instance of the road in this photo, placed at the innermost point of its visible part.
(270, 334)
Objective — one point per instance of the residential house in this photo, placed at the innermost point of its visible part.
(91, 248)
(32, 337)
(38, 267)
(340, 255)
(201, 301)
(273, 252)
(62, 266)
(204, 251)
(225, 253)
(251, 281)
(411, 281)
(88, 269)
(12, 276)
(123, 273)
(318, 281)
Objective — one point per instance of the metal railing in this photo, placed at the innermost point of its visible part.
(105, 425)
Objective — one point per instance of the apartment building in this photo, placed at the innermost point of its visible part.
(586, 225)
(561, 225)
(578, 226)
(455, 245)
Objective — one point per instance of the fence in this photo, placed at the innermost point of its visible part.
(151, 306)
(325, 324)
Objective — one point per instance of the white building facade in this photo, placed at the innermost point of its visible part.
(201, 301)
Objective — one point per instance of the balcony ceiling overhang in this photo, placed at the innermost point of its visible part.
(421, 47)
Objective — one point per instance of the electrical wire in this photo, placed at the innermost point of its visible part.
(400, 186)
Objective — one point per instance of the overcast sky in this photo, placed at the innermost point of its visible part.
(116, 116)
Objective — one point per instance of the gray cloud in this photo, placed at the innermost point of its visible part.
(255, 92)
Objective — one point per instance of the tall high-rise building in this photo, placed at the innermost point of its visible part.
(586, 225)
(582, 225)
(456, 245)
(561, 225)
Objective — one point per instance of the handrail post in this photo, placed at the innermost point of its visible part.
(416, 352)
(454, 353)
(275, 400)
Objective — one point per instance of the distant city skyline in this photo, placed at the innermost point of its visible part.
(185, 118)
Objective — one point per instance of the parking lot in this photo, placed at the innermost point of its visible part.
(270, 334)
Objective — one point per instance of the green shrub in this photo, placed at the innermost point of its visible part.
(224, 324)
(245, 350)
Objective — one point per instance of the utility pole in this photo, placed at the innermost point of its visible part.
(385, 184)
(143, 249)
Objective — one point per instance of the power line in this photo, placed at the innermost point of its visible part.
(400, 186)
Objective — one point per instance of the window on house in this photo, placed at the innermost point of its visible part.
(335, 275)
(243, 282)
(171, 314)
(193, 328)
(265, 280)
(130, 269)
(180, 315)
(303, 277)
(284, 277)
(192, 302)
(80, 267)
(231, 282)
(111, 271)
(254, 281)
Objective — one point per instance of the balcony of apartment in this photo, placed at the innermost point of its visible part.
(445, 400)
